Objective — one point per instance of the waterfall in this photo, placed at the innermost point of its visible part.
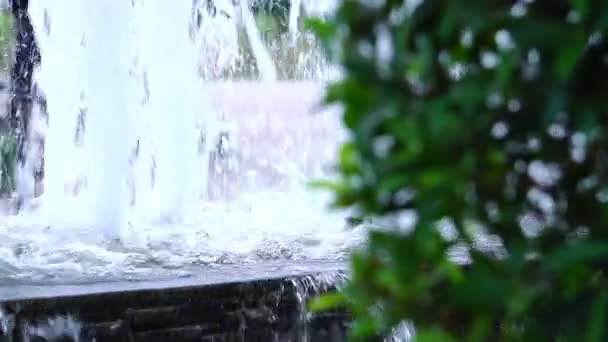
(128, 69)
(60, 77)
(294, 17)
(137, 180)
(85, 76)
(108, 92)
(98, 58)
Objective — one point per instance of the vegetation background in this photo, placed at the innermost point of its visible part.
(6, 39)
(479, 130)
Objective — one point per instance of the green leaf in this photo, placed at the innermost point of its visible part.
(325, 184)
(481, 329)
(349, 158)
(433, 335)
(327, 302)
(579, 253)
(442, 150)
(597, 321)
(322, 28)
(570, 55)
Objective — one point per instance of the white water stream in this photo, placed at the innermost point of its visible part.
(142, 192)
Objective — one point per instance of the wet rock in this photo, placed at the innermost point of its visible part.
(271, 309)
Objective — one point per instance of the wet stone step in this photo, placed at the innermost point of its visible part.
(270, 308)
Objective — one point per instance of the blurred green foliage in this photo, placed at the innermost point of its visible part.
(486, 121)
(296, 56)
(8, 151)
(7, 38)
(8, 159)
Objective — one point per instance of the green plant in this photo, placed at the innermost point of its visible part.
(487, 121)
(7, 39)
(8, 159)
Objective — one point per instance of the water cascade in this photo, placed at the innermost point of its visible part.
(172, 107)
(107, 89)
(294, 17)
(263, 59)
(157, 158)
(61, 45)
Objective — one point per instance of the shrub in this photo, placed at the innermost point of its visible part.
(7, 39)
(487, 122)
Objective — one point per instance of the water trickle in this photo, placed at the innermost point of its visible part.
(403, 332)
(55, 329)
(309, 287)
(7, 324)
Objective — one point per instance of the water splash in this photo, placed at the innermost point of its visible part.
(403, 332)
(132, 147)
(320, 8)
(217, 38)
(264, 61)
(309, 287)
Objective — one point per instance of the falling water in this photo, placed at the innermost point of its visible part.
(58, 328)
(137, 181)
(172, 105)
(100, 82)
(107, 88)
(60, 44)
(264, 61)
(294, 17)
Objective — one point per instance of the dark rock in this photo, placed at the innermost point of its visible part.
(268, 309)
(27, 56)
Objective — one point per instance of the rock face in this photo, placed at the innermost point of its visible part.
(27, 56)
(20, 97)
(261, 310)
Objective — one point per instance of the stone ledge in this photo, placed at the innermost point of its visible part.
(263, 308)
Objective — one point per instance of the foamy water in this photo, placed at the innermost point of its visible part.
(145, 192)
(253, 228)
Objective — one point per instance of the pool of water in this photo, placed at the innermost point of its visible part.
(258, 228)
